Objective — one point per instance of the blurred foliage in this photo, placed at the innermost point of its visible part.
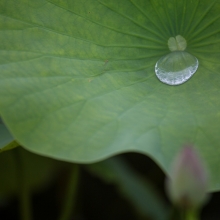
(7, 141)
(116, 188)
(38, 171)
(138, 190)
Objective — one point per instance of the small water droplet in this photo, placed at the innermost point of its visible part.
(177, 43)
(176, 67)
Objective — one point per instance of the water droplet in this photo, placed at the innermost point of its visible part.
(176, 67)
(177, 43)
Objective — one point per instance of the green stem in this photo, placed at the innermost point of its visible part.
(25, 207)
(71, 193)
(192, 215)
(23, 188)
(189, 215)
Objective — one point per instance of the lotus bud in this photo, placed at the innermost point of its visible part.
(188, 182)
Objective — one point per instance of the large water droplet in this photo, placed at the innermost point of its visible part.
(176, 67)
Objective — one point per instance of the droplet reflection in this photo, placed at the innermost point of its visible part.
(176, 67)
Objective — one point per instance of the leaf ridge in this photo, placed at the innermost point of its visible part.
(144, 27)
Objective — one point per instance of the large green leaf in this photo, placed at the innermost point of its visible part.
(77, 78)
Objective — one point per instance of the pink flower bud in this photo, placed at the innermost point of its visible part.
(188, 182)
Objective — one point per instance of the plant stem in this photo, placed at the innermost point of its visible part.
(192, 215)
(25, 207)
(189, 215)
(71, 193)
(23, 188)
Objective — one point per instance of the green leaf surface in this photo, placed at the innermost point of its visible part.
(77, 79)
